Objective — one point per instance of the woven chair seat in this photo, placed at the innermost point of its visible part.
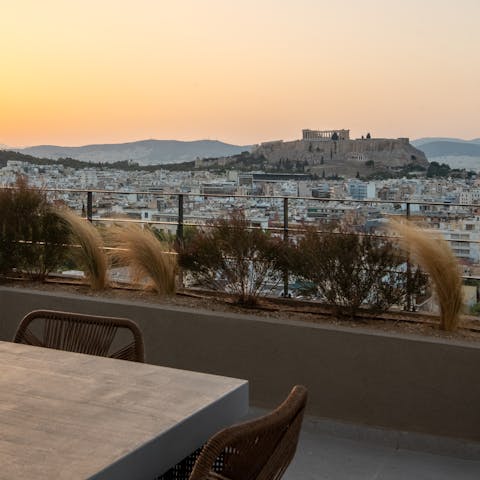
(259, 449)
(73, 332)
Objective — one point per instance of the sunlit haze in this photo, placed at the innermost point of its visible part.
(78, 72)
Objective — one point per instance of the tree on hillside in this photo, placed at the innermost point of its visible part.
(438, 170)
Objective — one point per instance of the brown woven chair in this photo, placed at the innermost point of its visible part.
(259, 449)
(74, 332)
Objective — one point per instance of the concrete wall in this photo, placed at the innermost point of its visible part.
(354, 375)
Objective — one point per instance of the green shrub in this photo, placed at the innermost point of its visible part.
(32, 238)
(7, 232)
(475, 309)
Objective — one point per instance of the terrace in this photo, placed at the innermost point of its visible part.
(382, 405)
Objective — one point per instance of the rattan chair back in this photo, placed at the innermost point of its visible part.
(74, 332)
(259, 449)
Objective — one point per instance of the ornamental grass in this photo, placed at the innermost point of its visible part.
(89, 253)
(438, 260)
(146, 256)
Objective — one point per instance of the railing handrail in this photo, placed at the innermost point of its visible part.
(285, 225)
(235, 195)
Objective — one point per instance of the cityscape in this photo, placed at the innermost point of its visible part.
(240, 240)
(213, 187)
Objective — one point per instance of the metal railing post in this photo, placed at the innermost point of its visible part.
(285, 239)
(409, 306)
(180, 237)
(180, 219)
(89, 206)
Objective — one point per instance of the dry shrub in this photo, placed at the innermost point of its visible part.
(146, 256)
(438, 260)
(348, 270)
(230, 256)
(91, 256)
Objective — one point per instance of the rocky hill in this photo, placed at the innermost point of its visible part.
(345, 157)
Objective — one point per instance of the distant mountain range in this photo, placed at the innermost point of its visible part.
(422, 141)
(440, 147)
(455, 152)
(144, 152)
(458, 153)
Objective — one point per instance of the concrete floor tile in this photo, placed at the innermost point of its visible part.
(323, 457)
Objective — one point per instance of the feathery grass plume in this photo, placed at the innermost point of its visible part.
(438, 260)
(146, 256)
(92, 257)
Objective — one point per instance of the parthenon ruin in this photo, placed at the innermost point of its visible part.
(325, 135)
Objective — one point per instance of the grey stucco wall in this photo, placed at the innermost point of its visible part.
(354, 375)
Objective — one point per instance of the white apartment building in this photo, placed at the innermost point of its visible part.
(470, 196)
(463, 238)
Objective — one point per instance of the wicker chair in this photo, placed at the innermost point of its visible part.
(89, 334)
(259, 449)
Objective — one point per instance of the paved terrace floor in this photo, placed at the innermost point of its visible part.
(329, 451)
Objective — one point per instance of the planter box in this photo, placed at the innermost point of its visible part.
(401, 382)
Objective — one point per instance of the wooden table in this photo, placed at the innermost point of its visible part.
(73, 416)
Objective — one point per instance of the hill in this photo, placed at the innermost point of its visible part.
(126, 165)
(246, 161)
(144, 152)
(442, 148)
(422, 141)
(455, 152)
(368, 158)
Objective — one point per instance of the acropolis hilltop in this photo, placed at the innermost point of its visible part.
(330, 153)
(334, 152)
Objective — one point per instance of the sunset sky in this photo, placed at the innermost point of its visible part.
(103, 71)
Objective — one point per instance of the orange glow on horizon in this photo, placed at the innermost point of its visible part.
(75, 73)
